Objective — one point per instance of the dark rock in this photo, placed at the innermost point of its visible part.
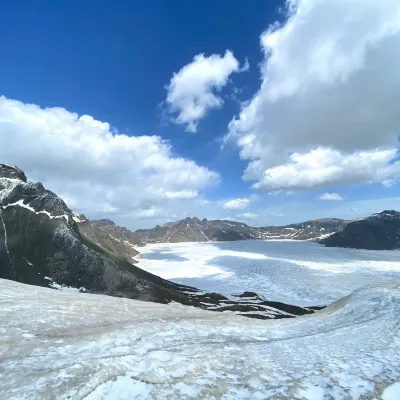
(12, 172)
(378, 232)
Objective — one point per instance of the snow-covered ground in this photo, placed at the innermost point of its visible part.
(57, 345)
(301, 273)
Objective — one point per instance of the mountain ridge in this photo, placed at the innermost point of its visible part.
(192, 229)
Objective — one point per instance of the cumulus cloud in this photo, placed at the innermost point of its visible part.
(194, 89)
(330, 89)
(322, 167)
(331, 196)
(236, 204)
(94, 168)
(248, 215)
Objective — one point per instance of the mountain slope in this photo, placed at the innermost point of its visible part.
(43, 243)
(380, 231)
(192, 229)
(114, 238)
(40, 244)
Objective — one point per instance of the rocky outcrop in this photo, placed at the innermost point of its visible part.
(44, 243)
(381, 231)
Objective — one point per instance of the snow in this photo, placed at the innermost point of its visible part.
(300, 273)
(195, 260)
(114, 238)
(9, 185)
(122, 388)
(64, 288)
(76, 217)
(83, 346)
(392, 392)
(21, 203)
(28, 262)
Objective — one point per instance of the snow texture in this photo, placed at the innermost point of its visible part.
(57, 345)
(299, 273)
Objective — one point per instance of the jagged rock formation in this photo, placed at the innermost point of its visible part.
(192, 229)
(380, 231)
(44, 243)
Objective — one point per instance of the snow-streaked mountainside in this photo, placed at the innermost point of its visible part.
(82, 346)
(380, 231)
(192, 229)
(44, 243)
(41, 244)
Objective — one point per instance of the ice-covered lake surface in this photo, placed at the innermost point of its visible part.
(300, 273)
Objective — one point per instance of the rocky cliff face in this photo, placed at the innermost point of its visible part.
(192, 229)
(379, 232)
(44, 243)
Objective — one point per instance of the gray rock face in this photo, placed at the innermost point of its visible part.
(381, 231)
(191, 229)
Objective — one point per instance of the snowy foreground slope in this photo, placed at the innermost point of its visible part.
(85, 346)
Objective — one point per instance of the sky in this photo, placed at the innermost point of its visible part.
(266, 112)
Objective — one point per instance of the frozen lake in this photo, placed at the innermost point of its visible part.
(301, 273)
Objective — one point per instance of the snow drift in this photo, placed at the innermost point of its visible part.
(76, 345)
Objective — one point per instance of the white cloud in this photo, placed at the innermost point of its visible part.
(330, 86)
(331, 196)
(248, 215)
(320, 167)
(236, 204)
(193, 90)
(95, 169)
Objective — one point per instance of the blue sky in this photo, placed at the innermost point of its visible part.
(305, 125)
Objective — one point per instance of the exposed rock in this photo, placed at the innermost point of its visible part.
(12, 172)
(380, 231)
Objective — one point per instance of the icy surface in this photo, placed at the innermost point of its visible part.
(300, 273)
(56, 345)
